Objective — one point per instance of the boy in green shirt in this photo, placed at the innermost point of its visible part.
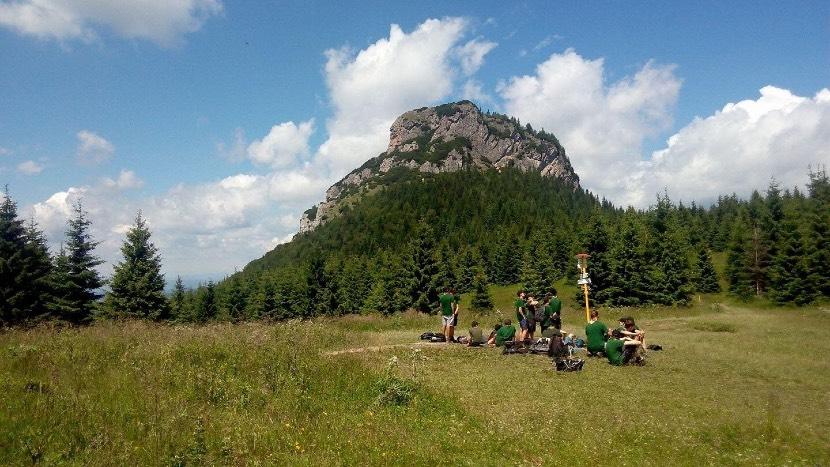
(622, 350)
(505, 333)
(521, 313)
(595, 332)
(449, 312)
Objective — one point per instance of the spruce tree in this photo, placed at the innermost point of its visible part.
(178, 309)
(467, 270)
(789, 273)
(76, 281)
(673, 281)
(14, 292)
(818, 244)
(38, 271)
(737, 262)
(444, 274)
(425, 267)
(137, 284)
(206, 306)
(532, 281)
(234, 300)
(707, 277)
(597, 244)
(628, 285)
(482, 300)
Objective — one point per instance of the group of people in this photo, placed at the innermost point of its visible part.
(529, 313)
(622, 345)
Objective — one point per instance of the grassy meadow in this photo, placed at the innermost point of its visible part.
(736, 384)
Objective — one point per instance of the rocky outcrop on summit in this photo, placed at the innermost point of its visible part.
(448, 138)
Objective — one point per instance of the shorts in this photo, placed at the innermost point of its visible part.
(448, 320)
(531, 326)
(523, 324)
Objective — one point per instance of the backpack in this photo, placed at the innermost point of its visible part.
(568, 364)
(539, 347)
(557, 348)
(427, 336)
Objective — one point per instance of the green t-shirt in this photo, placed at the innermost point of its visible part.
(519, 303)
(555, 305)
(504, 334)
(595, 334)
(446, 299)
(476, 335)
(614, 351)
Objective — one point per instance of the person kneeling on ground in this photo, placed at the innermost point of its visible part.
(505, 333)
(476, 336)
(596, 332)
(622, 350)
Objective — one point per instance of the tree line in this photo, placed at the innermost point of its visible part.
(398, 247)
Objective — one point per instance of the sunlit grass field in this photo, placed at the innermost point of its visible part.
(735, 384)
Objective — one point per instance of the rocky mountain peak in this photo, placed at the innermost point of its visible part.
(447, 138)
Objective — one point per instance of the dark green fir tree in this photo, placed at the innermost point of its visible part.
(206, 307)
(38, 272)
(737, 261)
(137, 284)
(76, 282)
(789, 273)
(482, 300)
(14, 293)
(178, 309)
(706, 277)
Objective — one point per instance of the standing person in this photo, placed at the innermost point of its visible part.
(596, 332)
(551, 314)
(521, 313)
(449, 308)
(531, 306)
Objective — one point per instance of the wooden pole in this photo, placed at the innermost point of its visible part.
(585, 291)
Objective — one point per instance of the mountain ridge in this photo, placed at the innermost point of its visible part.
(449, 138)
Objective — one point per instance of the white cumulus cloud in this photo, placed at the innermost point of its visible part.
(602, 125)
(29, 168)
(163, 22)
(371, 87)
(738, 148)
(92, 148)
(126, 180)
(282, 145)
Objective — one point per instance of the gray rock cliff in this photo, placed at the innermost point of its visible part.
(448, 138)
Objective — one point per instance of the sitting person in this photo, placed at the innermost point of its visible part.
(596, 332)
(504, 334)
(491, 339)
(622, 350)
(476, 336)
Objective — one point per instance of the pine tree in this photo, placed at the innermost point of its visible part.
(235, 301)
(14, 292)
(673, 280)
(789, 272)
(425, 267)
(177, 302)
(38, 271)
(76, 281)
(444, 274)
(532, 280)
(137, 284)
(206, 306)
(482, 300)
(737, 264)
(467, 270)
(628, 285)
(597, 245)
(818, 244)
(707, 277)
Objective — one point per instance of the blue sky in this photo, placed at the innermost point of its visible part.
(223, 121)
